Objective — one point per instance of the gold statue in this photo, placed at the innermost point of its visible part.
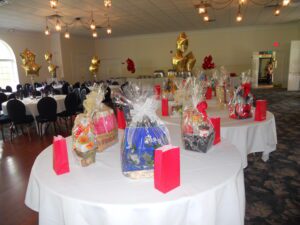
(180, 62)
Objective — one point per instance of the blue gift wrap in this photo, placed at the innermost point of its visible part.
(139, 145)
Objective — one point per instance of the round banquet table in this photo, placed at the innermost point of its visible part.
(31, 106)
(211, 192)
(247, 135)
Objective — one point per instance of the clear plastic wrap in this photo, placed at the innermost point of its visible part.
(241, 103)
(143, 135)
(197, 130)
(104, 121)
(169, 88)
(223, 89)
(83, 137)
(180, 96)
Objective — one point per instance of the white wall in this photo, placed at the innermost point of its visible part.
(77, 53)
(231, 47)
(34, 41)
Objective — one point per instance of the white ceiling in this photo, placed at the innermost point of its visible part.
(130, 17)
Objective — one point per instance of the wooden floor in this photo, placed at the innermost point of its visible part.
(16, 160)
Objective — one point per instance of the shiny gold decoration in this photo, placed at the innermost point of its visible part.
(51, 68)
(180, 62)
(28, 63)
(94, 66)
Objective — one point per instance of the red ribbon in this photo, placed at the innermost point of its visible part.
(247, 88)
(202, 106)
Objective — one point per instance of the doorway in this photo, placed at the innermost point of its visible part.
(265, 72)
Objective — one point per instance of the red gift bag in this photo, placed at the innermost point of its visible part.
(261, 110)
(60, 155)
(208, 93)
(216, 122)
(157, 91)
(121, 119)
(164, 107)
(166, 168)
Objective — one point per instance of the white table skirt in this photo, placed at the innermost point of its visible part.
(31, 105)
(247, 135)
(211, 191)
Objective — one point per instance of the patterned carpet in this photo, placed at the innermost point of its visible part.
(273, 188)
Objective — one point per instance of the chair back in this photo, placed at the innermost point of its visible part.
(3, 98)
(65, 89)
(47, 108)
(83, 94)
(16, 110)
(8, 89)
(11, 96)
(71, 103)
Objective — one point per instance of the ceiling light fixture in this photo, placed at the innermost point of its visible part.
(94, 34)
(107, 3)
(57, 25)
(203, 6)
(277, 11)
(92, 25)
(67, 34)
(239, 16)
(47, 31)
(53, 4)
(285, 2)
(206, 17)
(108, 29)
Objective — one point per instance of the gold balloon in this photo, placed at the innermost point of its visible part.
(94, 66)
(180, 62)
(51, 67)
(182, 42)
(28, 63)
(48, 57)
(190, 61)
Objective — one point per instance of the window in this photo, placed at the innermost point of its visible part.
(8, 67)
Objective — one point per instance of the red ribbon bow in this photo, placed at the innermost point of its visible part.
(202, 106)
(247, 88)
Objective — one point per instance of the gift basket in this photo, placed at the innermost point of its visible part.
(223, 86)
(142, 135)
(103, 117)
(169, 88)
(83, 137)
(180, 96)
(197, 130)
(241, 103)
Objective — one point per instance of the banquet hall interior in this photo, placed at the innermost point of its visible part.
(92, 90)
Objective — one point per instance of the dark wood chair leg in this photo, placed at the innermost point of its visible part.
(11, 131)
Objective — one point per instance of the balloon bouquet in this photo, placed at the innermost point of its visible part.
(94, 66)
(29, 64)
(51, 68)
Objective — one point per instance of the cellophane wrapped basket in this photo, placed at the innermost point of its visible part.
(223, 86)
(83, 138)
(142, 136)
(103, 118)
(180, 96)
(241, 103)
(169, 88)
(197, 130)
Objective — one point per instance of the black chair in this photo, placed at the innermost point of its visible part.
(4, 119)
(65, 88)
(76, 85)
(19, 87)
(71, 104)
(8, 88)
(17, 114)
(47, 108)
(11, 96)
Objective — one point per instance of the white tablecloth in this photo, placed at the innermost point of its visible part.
(31, 105)
(211, 191)
(247, 135)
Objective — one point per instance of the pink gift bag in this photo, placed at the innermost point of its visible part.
(164, 107)
(261, 110)
(60, 155)
(216, 122)
(166, 168)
